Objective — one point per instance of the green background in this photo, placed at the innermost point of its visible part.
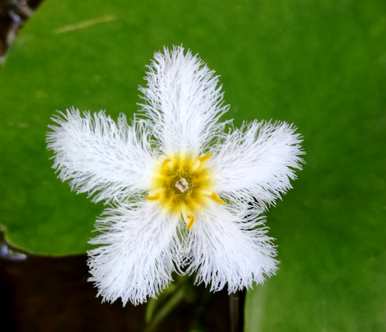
(318, 64)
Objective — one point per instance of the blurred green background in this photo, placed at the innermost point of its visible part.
(318, 64)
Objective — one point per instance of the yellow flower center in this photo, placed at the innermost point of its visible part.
(183, 184)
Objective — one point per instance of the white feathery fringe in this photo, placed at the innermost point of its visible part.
(183, 100)
(229, 247)
(110, 161)
(135, 256)
(139, 246)
(257, 162)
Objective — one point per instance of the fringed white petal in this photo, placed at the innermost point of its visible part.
(229, 248)
(257, 162)
(183, 99)
(98, 156)
(135, 253)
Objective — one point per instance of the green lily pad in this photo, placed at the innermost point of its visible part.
(318, 64)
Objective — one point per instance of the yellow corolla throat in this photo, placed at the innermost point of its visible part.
(183, 184)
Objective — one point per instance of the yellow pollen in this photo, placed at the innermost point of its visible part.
(182, 185)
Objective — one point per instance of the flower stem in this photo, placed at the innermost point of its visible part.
(236, 311)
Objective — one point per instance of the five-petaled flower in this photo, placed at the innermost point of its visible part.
(186, 192)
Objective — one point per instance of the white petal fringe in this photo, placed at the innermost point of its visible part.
(257, 162)
(135, 256)
(183, 100)
(98, 156)
(229, 248)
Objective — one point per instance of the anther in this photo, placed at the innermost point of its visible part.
(188, 217)
(205, 157)
(190, 221)
(216, 198)
(201, 160)
(153, 196)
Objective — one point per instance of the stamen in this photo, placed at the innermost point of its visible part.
(153, 196)
(216, 198)
(183, 184)
(188, 217)
(165, 163)
(205, 157)
(191, 221)
(196, 165)
(201, 160)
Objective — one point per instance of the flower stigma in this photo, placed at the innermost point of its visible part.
(183, 185)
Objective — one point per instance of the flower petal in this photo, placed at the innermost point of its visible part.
(105, 159)
(257, 162)
(183, 99)
(137, 248)
(229, 247)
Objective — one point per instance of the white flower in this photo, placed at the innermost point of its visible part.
(186, 192)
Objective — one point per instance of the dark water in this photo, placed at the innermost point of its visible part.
(51, 294)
